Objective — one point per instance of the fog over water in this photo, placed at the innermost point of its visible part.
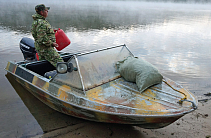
(175, 36)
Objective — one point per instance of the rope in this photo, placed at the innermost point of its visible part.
(182, 99)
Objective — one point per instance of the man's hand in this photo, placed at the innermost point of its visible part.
(55, 45)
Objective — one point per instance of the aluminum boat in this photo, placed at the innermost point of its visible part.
(87, 85)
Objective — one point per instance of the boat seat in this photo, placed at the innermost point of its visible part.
(41, 67)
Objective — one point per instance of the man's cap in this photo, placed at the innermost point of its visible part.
(41, 7)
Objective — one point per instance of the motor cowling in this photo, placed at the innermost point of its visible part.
(28, 49)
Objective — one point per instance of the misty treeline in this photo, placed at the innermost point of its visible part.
(198, 1)
(187, 1)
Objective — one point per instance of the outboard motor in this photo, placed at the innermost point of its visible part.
(28, 49)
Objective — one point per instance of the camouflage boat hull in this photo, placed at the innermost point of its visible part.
(113, 101)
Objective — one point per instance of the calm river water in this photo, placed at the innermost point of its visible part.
(175, 37)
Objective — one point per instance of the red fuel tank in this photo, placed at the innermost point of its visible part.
(37, 57)
(61, 39)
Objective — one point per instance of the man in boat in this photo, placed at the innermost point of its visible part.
(44, 36)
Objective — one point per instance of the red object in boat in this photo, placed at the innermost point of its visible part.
(37, 57)
(61, 39)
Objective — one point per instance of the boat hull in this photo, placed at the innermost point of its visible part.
(96, 92)
(148, 122)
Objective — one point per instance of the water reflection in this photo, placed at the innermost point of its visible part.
(86, 15)
(175, 37)
(45, 117)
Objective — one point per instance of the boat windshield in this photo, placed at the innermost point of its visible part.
(94, 68)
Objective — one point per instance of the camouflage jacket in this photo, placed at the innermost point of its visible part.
(42, 31)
